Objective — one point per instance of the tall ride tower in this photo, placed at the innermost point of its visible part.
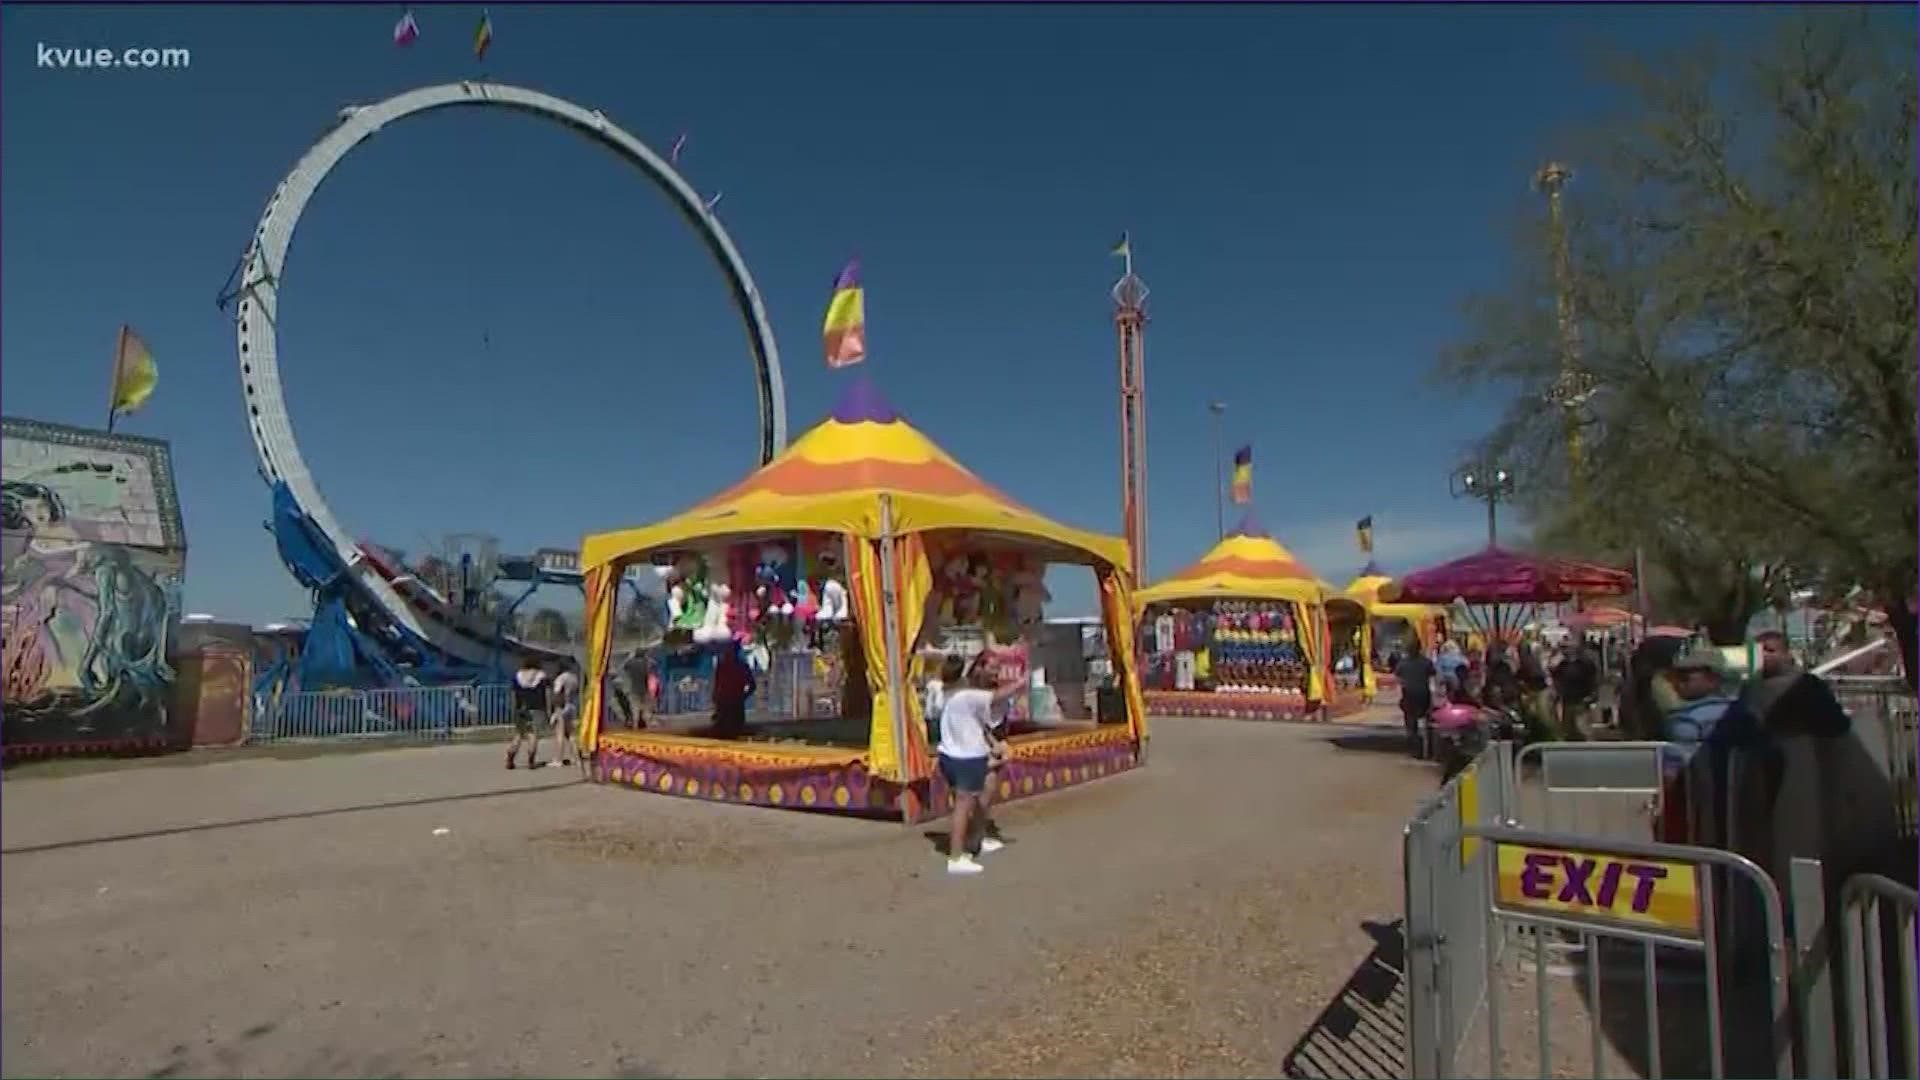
(1130, 329)
(1574, 386)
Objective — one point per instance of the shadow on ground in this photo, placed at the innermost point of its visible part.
(305, 815)
(1632, 1015)
(1372, 742)
(1361, 1034)
(231, 1060)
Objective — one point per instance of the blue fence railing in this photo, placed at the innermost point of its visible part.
(789, 689)
(419, 711)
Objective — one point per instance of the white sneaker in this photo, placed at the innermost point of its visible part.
(988, 845)
(964, 865)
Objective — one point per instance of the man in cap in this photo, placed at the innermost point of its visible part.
(1699, 678)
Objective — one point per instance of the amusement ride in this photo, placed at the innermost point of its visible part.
(376, 622)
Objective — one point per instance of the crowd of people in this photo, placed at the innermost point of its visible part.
(1766, 763)
(1552, 690)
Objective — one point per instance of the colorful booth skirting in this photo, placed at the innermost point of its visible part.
(806, 778)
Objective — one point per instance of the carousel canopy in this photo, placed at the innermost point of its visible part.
(1499, 576)
(832, 479)
(1247, 565)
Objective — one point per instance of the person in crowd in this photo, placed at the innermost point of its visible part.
(949, 672)
(1776, 656)
(632, 689)
(1699, 678)
(1647, 695)
(1452, 663)
(1576, 682)
(1531, 681)
(1695, 706)
(1415, 674)
(529, 710)
(1502, 681)
(968, 749)
(564, 705)
(733, 684)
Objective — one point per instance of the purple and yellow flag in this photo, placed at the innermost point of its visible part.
(845, 332)
(1243, 475)
(483, 37)
(134, 374)
(1363, 532)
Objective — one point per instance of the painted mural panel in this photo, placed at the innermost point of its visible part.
(94, 553)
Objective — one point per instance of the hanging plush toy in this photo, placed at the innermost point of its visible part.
(687, 598)
(773, 573)
(805, 606)
(713, 628)
(834, 607)
(982, 598)
(1028, 586)
(953, 585)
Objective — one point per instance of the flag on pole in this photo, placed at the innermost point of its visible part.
(679, 144)
(134, 375)
(1243, 475)
(1363, 529)
(406, 31)
(1123, 249)
(483, 37)
(845, 331)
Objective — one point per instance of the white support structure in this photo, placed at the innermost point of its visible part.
(264, 265)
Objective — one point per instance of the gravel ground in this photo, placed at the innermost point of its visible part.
(1227, 911)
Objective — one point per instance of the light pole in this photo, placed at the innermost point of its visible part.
(1489, 483)
(1218, 409)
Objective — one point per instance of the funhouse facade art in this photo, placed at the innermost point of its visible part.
(94, 554)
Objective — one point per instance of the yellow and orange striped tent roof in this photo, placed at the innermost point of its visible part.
(1248, 564)
(832, 479)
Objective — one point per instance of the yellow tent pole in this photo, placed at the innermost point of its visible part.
(890, 628)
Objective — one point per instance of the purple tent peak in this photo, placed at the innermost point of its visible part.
(861, 402)
(1372, 569)
(1250, 526)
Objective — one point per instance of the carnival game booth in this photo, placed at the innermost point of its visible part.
(1241, 633)
(1351, 684)
(870, 509)
(1418, 624)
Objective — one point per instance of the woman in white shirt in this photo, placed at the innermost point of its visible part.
(968, 748)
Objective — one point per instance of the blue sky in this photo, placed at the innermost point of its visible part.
(490, 325)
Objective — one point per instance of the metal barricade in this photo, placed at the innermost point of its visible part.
(1644, 917)
(1607, 789)
(1886, 716)
(1446, 882)
(416, 711)
(1869, 906)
